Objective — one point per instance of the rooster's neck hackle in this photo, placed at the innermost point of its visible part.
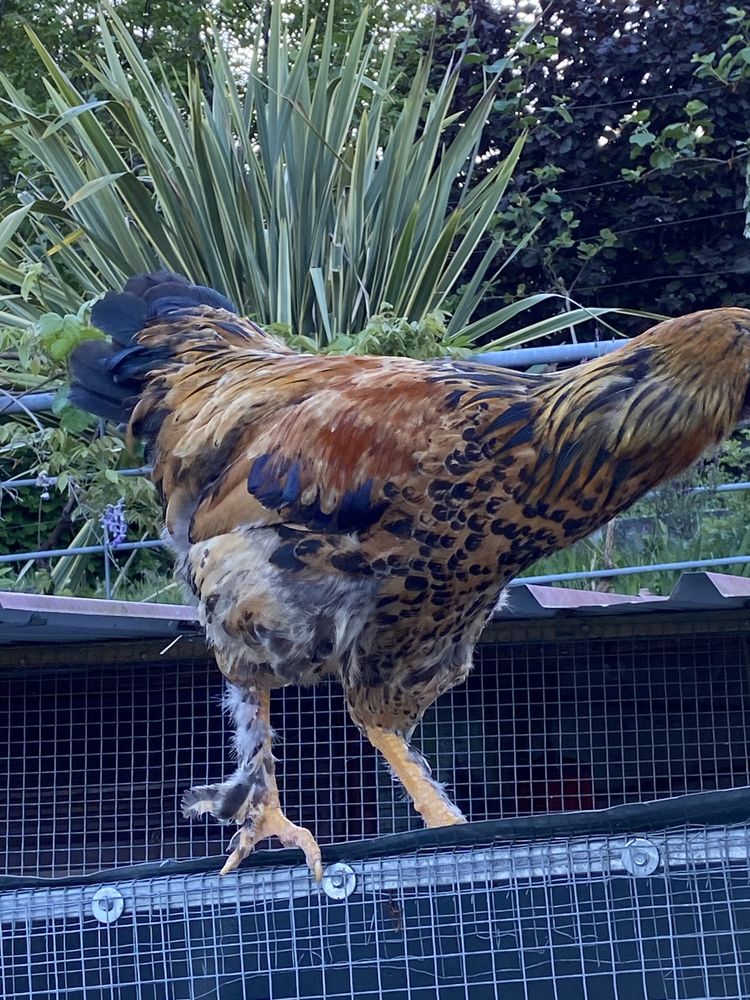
(650, 409)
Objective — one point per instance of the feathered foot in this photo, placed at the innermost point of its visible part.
(250, 797)
(413, 772)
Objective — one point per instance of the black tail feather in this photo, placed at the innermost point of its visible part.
(120, 316)
(107, 378)
(92, 387)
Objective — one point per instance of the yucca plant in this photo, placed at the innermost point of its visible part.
(311, 191)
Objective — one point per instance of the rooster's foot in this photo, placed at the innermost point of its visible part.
(414, 773)
(271, 822)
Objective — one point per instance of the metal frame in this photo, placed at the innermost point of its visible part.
(651, 905)
(501, 863)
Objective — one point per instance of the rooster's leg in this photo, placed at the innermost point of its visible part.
(250, 797)
(413, 771)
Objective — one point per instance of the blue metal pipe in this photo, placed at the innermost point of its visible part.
(523, 357)
(31, 402)
(723, 488)
(595, 574)
(145, 470)
(14, 484)
(81, 550)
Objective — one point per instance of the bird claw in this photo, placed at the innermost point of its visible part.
(273, 823)
(240, 846)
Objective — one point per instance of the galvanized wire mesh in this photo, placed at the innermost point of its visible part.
(94, 757)
(545, 921)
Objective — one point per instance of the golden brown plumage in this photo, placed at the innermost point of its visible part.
(360, 516)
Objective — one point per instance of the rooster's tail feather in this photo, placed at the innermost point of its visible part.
(107, 377)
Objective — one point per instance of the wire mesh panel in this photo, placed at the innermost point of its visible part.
(96, 755)
(536, 921)
(644, 711)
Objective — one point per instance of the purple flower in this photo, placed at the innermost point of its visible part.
(114, 524)
(42, 481)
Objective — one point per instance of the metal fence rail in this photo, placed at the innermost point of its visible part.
(593, 574)
(522, 357)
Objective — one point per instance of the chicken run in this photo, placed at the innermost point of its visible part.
(360, 517)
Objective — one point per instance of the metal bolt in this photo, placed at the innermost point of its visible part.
(107, 904)
(640, 857)
(339, 881)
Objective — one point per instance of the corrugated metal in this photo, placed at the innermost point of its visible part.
(31, 618)
(537, 601)
(692, 592)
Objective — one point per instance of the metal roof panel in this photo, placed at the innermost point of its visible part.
(35, 619)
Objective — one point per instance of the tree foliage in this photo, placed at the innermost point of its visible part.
(170, 37)
(168, 33)
(308, 188)
(636, 158)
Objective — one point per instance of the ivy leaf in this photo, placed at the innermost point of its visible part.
(643, 139)
(661, 159)
(693, 108)
(76, 421)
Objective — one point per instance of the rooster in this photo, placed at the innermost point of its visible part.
(360, 516)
